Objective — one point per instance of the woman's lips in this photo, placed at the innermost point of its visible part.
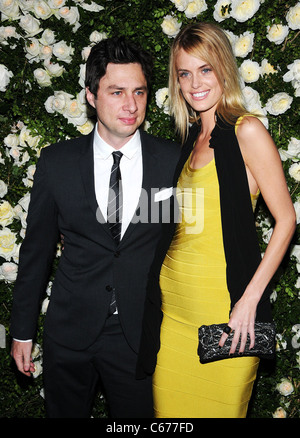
(200, 95)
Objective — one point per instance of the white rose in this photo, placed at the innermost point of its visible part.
(20, 157)
(294, 171)
(3, 189)
(9, 9)
(285, 387)
(7, 32)
(56, 4)
(36, 351)
(195, 7)
(92, 7)
(162, 99)
(231, 36)
(24, 201)
(45, 305)
(70, 15)
(218, 14)
(26, 5)
(28, 181)
(295, 252)
(42, 10)
(293, 73)
(279, 103)
(42, 77)
(55, 70)
(46, 52)
(57, 102)
(170, 26)
(251, 97)
(30, 24)
(63, 52)
(11, 140)
(21, 209)
(75, 112)
(86, 128)
(38, 368)
(297, 210)
(96, 36)
(250, 71)
(281, 343)
(48, 37)
(243, 44)
(27, 139)
(33, 49)
(293, 17)
(180, 4)
(5, 76)
(242, 10)
(8, 247)
(277, 33)
(298, 358)
(296, 337)
(82, 75)
(86, 52)
(279, 413)
(7, 213)
(8, 272)
(292, 152)
(267, 68)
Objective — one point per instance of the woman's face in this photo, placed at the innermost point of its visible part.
(198, 82)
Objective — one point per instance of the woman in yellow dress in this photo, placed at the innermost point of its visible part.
(212, 272)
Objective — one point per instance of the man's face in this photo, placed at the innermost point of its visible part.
(120, 103)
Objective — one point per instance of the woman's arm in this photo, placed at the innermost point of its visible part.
(264, 170)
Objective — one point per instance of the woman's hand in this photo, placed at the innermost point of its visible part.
(241, 322)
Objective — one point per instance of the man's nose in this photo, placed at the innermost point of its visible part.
(130, 104)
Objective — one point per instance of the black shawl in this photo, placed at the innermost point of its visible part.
(240, 239)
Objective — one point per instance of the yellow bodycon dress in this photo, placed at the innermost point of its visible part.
(194, 292)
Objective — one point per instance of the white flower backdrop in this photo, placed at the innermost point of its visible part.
(44, 45)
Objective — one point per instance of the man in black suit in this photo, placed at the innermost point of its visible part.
(84, 338)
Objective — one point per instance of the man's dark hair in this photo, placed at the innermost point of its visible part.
(116, 50)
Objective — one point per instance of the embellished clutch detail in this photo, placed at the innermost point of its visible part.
(209, 338)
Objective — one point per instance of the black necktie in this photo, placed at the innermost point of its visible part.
(114, 206)
(114, 210)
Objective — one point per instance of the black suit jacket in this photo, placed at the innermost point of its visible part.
(63, 200)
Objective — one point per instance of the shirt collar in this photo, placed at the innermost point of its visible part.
(103, 150)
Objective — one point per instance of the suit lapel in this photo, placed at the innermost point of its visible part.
(86, 165)
(149, 160)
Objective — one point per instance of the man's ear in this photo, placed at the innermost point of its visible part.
(90, 97)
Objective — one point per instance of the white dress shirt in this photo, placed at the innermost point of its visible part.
(131, 168)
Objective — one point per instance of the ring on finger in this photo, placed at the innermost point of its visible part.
(227, 330)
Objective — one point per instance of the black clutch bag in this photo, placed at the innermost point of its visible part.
(209, 338)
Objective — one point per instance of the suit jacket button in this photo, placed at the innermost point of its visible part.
(117, 254)
(109, 288)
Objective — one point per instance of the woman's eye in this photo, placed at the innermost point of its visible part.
(183, 74)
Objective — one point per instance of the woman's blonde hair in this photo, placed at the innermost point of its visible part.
(209, 43)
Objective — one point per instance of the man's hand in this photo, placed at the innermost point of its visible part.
(21, 352)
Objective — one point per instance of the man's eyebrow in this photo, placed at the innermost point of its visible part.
(118, 87)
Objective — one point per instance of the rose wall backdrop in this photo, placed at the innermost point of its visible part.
(44, 45)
